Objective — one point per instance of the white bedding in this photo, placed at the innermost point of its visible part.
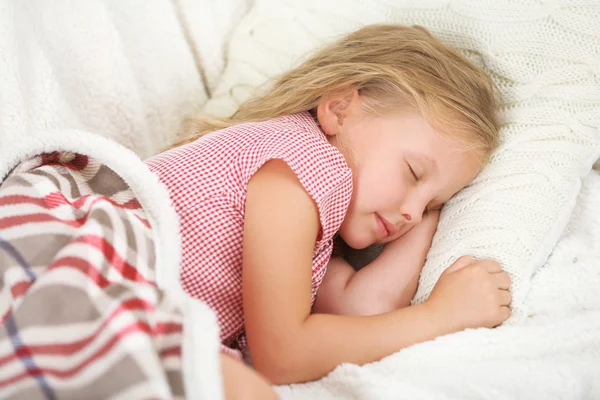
(553, 354)
(73, 65)
(542, 56)
(540, 52)
(120, 69)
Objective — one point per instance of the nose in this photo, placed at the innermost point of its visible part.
(412, 219)
(412, 210)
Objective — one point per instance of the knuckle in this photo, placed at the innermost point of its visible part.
(478, 270)
(488, 282)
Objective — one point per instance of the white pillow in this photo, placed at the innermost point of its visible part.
(545, 59)
(208, 25)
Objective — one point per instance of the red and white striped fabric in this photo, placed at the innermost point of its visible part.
(81, 314)
(208, 179)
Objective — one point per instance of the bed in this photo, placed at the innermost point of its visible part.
(131, 71)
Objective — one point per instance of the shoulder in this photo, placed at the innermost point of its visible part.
(299, 142)
(307, 156)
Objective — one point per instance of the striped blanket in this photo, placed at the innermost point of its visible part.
(82, 316)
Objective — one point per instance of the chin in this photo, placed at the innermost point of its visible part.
(357, 242)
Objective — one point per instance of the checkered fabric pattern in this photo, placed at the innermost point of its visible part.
(208, 181)
(81, 316)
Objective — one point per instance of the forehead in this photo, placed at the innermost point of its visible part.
(410, 134)
(413, 129)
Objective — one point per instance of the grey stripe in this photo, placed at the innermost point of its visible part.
(106, 182)
(36, 249)
(121, 376)
(132, 245)
(32, 392)
(55, 304)
(67, 174)
(15, 181)
(175, 379)
(53, 175)
(103, 218)
(45, 174)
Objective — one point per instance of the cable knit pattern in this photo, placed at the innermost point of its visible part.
(543, 55)
(553, 355)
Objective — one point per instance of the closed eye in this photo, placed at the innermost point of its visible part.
(412, 171)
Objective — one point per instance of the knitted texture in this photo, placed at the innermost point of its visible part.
(544, 57)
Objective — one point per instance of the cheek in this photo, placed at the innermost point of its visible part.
(378, 185)
(367, 194)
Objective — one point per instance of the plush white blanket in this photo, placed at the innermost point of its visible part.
(120, 69)
(553, 354)
(201, 344)
(123, 70)
(90, 65)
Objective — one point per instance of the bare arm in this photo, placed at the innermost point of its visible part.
(287, 343)
(387, 283)
(243, 383)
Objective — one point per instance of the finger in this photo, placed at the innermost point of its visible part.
(505, 297)
(505, 312)
(491, 266)
(502, 280)
(460, 264)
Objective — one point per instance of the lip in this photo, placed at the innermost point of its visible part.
(385, 227)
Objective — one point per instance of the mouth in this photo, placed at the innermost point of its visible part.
(385, 227)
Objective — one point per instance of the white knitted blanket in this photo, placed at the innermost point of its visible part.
(89, 65)
(123, 70)
(544, 56)
(553, 354)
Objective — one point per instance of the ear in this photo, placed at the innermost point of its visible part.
(333, 110)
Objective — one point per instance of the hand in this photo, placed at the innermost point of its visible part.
(472, 294)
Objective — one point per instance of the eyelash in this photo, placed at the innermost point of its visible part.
(412, 171)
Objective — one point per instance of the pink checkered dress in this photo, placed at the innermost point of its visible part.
(208, 182)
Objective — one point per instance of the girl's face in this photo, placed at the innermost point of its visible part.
(401, 167)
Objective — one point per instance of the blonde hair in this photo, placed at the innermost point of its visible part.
(392, 67)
